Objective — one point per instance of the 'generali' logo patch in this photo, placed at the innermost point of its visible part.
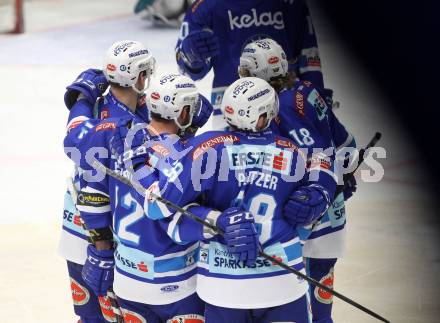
(299, 100)
(105, 126)
(212, 142)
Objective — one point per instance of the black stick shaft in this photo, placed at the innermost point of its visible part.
(372, 143)
(194, 217)
(276, 261)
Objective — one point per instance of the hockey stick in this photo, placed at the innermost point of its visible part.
(372, 143)
(346, 177)
(136, 185)
(115, 306)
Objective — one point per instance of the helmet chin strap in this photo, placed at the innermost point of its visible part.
(147, 85)
(140, 92)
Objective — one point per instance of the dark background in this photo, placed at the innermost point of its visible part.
(397, 43)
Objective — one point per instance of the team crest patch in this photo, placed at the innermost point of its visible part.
(106, 309)
(80, 294)
(188, 318)
(132, 317)
(320, 294)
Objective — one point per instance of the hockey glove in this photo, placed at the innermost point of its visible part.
(327, 95)
(241, 236)
(198, 47)
(127, 137)
(201, 116)
(350, 186)
(306, 205)
(90, 83)
(97, 271)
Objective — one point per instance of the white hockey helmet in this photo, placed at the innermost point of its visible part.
(263, 58)
(245, 100)
(125, 60)
(169, 94)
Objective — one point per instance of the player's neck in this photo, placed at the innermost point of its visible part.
(127, 97)
(158, 127)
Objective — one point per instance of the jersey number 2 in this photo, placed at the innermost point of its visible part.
(135, 213)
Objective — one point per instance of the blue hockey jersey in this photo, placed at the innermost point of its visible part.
(257, 171)
(82, 117)
(150, 267)
(305, 118)
(239, 22)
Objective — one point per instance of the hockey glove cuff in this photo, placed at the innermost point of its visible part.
(91, 84)
(198, 47)
(127, 137)
(240, 234)
(306, 205)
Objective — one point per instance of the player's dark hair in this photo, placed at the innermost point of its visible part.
(282, 82)
(116, 85)
(157, 117)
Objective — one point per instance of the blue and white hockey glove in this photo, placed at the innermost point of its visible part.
(241, 236)
(97, 271)
(203, 113)
(198, 47)
(306, 205)
(127, 137)
(200, 118)
(90, 83)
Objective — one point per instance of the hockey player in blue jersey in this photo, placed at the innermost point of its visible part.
(81, 99)
(249, 169)
(154, 277)
(305, 118)
(89, 85)
(214, 33)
